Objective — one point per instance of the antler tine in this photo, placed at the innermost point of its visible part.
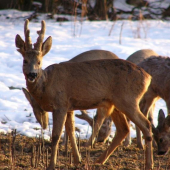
(38, 44)
(28, 42)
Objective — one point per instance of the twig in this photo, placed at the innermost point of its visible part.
(120, 36)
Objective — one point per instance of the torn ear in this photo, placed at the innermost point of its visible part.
(47, 45)
(20, 44)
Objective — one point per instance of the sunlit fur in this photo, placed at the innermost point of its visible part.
(62, 88)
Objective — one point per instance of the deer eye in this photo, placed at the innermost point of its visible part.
(39, 62)
(160, 140)
(25, 61)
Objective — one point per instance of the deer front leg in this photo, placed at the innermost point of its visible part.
(136, 116)
(127, 140)
(97, 124)
(104, 130)
(138, 132)
(122, 129)
(146, 104)
(70, 129)
(59, 118)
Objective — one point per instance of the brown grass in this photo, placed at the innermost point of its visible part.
(29, 153)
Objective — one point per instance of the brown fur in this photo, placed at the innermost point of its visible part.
(162, 133)
(140, 55)
(158, 67)
(40, 114)
(105, 129)
(137, 57)
(65, 87)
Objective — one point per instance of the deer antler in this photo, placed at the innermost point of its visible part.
(38, 44)
(28, 43)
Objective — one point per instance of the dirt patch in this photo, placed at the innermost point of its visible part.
(33, 153)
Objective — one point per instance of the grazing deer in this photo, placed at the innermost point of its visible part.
(105, 128)
(158, 67)
(42, 116)
(136, 58)
(162, 133)
(115, 85)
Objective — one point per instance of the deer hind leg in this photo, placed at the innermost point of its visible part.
(137, 117)
(122, 129)
(150, 118)
(146, 107)
(59, 118)
(102, 113)
(70, 129)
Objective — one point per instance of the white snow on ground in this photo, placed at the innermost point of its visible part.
(69, 39)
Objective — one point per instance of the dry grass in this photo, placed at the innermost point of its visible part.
(31, 153)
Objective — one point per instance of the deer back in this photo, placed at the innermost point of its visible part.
(140, 55)
(159, 69)
(94, 55)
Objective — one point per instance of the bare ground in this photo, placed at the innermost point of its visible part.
(27, 153)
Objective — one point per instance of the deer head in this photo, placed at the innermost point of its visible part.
(162, 133)
(32, 57)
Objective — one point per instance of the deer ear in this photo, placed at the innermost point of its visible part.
(154, 130)
(47, 45)
(161, 118)
(28, 96)
(167, 120)
(20, 44)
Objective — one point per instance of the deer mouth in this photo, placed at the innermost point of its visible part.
(31, 80)
(31, 77)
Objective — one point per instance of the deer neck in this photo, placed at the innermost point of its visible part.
(36, 88)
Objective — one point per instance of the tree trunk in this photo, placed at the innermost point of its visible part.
(100, 9)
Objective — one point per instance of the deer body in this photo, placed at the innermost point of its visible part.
(66, 78)
(116, 85)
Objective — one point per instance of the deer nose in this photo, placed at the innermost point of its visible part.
(32, 75)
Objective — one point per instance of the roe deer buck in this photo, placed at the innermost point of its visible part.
(62, 88)
(162, 133)
(136, 58)
(42, 116)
